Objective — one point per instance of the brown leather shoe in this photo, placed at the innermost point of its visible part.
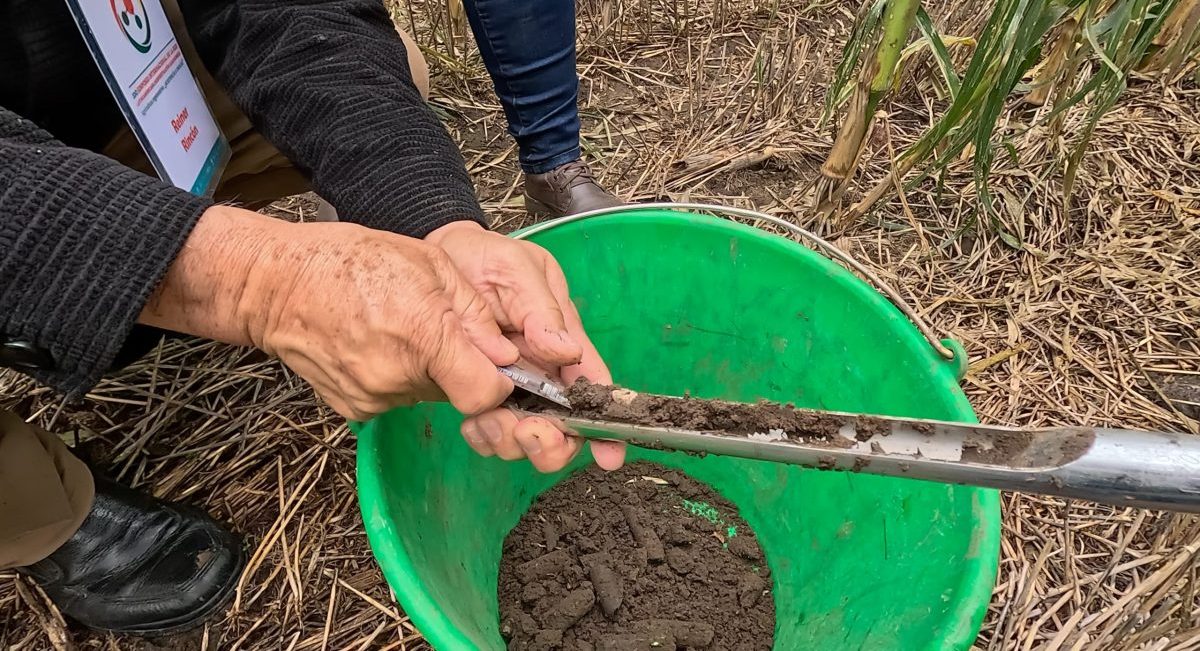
(566, 190)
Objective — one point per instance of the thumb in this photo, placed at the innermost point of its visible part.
(464, 373)
(477, 320)
(531, 306)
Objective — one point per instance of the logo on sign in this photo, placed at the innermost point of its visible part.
(133, 21)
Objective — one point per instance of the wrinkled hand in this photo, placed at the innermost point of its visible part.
(375, 320)
(372, 320)
(526, 292)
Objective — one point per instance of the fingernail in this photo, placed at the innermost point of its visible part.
(532, 445)
(493, 431)
(471, 430)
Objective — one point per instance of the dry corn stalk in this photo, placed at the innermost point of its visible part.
(1051, 71)
(1178, 39)
(874, 80)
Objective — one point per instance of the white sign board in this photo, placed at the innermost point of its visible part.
(144, 67)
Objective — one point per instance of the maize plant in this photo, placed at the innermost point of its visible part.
(1062, 53)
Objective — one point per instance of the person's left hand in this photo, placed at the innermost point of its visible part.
(527, 292)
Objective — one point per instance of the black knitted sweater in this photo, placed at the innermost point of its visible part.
(84, 240)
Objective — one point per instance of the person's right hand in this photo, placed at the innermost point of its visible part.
(371, 319)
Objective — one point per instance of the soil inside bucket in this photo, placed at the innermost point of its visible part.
(641, 558)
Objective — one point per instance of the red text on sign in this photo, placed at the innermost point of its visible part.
(190, 138)
(179, 120)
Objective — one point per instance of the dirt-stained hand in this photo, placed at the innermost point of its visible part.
(526, 291)
(375, 320)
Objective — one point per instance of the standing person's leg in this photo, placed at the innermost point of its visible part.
(529, 49)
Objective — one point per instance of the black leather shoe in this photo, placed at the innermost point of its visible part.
(140, 565)
(566, 190)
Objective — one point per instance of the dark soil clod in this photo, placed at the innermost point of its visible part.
(746, 548)
(606, 582)
(643, 534)
(633, 568)
(548, 565)
(750, 589)
(571, 609)
(693, 634)
(551, 533)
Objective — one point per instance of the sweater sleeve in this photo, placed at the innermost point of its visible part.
(328, 83)
(83, 243)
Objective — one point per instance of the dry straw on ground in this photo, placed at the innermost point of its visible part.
(1095, 321)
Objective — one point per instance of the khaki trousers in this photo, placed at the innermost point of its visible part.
(45, 491)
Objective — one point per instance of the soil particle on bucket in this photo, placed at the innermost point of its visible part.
(644, 558)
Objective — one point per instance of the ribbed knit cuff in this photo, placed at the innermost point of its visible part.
(83, 243)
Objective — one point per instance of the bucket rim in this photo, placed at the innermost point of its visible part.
(939, 346)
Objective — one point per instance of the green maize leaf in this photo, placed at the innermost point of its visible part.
(940, 54)
(1114, 37)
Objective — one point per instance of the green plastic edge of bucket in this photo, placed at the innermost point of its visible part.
(978, 577)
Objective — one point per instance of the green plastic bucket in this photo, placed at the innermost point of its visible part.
(686, 302)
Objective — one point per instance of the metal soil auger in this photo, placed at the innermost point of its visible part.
(1159, 470)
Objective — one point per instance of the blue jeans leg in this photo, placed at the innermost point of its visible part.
(528, 47)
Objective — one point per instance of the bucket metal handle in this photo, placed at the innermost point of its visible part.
(726, 211)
